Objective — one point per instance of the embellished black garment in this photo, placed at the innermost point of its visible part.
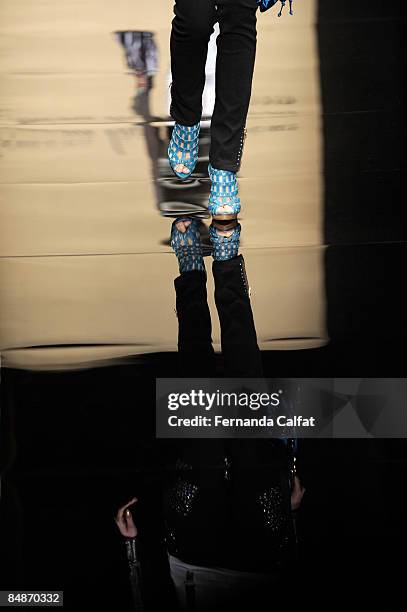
(228, 504)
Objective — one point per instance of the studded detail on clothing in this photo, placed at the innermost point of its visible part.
(182, 496)
(184, 140)
(227, 466)
(243, 137)
(244, 277)
(227, 503)
(271, 502)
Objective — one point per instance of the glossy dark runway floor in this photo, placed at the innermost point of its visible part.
(85, 255)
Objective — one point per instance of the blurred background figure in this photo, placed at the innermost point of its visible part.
(141, 54)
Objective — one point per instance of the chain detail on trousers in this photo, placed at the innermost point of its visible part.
(244, 277)
(241, 147)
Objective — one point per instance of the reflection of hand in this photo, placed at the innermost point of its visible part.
(124, 520)
(297, 493)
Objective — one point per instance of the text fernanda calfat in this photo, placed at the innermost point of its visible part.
(220, 421)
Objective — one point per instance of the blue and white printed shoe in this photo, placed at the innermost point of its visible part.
(186, 244)
(266, 4)
(183, 149)
(225, 241)
(223, 200)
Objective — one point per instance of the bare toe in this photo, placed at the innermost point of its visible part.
(182, 169)
(182, 226)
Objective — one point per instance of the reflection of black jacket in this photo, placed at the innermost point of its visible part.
(227, 503)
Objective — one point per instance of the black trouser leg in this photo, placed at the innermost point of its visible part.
(238, 334)
(192, 27)
(191, 30)
(196, 354)
(235, 60)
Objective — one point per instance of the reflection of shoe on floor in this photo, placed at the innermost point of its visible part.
(186, 244)
(205, 240)
(225, 239)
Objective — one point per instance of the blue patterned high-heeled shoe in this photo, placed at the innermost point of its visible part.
(183, 148)
(225, 242)
(187, 245)
(223, 200)
(266, 4)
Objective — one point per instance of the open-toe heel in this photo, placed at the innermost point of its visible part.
(183, 148)
(223, 200)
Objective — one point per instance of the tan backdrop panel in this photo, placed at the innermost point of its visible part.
(77, 181)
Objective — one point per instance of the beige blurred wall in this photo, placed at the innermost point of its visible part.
(81, 253)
